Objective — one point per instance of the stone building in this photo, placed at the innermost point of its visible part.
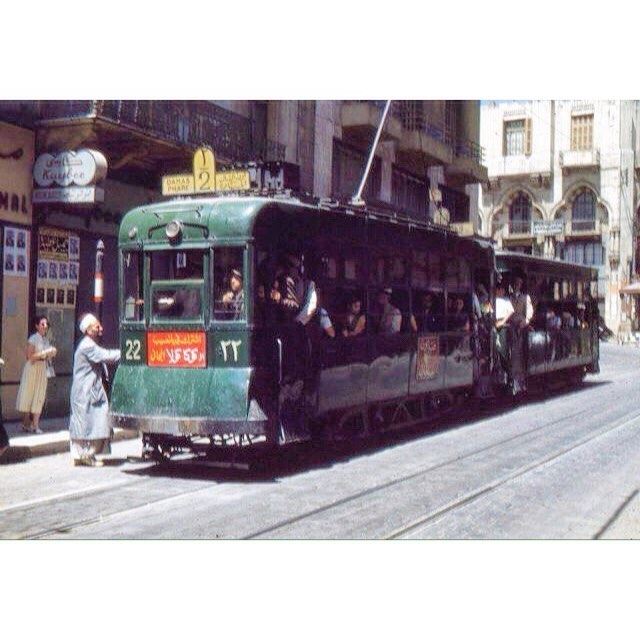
(323, 146)
(562, 184)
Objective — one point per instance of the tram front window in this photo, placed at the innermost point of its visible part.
(177, 303)
(177, 279)
(132, 289)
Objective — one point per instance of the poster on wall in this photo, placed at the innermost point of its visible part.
(16, 242)
(58, 246)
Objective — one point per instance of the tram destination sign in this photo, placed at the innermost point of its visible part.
(205, 178)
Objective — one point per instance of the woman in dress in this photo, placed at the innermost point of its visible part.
(33, 383)
(89, 426)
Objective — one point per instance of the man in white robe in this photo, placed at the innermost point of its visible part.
(89, 426)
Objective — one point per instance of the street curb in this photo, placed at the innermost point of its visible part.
(20, 453)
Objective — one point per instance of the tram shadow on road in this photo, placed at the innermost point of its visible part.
(301, 458)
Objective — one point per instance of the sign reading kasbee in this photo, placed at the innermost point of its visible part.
(181, 349)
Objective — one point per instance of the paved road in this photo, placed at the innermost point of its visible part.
(561, 466)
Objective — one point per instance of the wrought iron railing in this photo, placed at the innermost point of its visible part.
(583, 225)
(520, 226)
(189, 122)
(469, 149)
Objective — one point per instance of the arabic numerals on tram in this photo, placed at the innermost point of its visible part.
(132, 349)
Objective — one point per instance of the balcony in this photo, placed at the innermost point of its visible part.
(360, 120)
(150, 136)
(423, 142)
(467, 167)
(521, 165)
(583, 228)
(579, 159)
(517, 229)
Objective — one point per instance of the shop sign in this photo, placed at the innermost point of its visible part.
(16, 162)
(73, 195)
(180, 349)
(548, 227)
(205, 178)
(82, 168)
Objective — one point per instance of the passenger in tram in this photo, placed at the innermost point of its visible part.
(322, 319)
(521, 302)
(391, 318)
(504, 312)
(426, 319)
(459, 319)
(356, 321)
(233, 298)
(520, 322)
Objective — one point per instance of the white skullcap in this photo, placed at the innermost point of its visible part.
(87, 320)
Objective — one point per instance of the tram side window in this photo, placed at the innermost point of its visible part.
(176, 284)
(132, 289)
(228, 284)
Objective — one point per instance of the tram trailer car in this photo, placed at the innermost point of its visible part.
(205, 368)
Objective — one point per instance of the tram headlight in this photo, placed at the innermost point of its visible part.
(133, 232)
(173, 229)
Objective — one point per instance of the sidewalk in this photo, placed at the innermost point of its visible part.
(55, 439)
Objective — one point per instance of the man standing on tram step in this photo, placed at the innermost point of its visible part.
(523, 312)
(234, 298)
(299, 302)
(504, 312)
(89, 426)
(391, 319)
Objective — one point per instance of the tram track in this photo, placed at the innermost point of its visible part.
(467, 497)
(77, 525)
(492, 486)
(66, 527)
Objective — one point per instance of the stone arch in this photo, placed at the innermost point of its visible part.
(499, 215)
(602, 206)
(511, 194)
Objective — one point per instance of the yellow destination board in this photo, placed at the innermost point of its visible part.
(205, 178)
(178, 184)
(204, 170)
(232, 181)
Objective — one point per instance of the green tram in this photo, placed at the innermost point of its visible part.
(207, 364)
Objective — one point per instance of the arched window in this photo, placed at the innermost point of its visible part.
(520, 214)
(583, 212)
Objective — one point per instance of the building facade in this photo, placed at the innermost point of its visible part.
(562, 184)
(60, 206)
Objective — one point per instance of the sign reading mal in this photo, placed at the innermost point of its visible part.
(81, 168)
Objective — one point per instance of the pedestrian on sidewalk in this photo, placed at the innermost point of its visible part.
(35, 374)
(89, 427)
(4, 438)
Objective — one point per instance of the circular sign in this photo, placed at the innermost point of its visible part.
(82, 168)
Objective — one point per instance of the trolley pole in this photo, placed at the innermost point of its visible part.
(98, 288)
(357, 198)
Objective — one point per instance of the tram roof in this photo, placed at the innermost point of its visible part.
(506, 260)
(235, 216)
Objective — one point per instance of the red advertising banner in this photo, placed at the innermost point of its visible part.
(183, 349)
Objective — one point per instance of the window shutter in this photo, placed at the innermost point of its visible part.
(527, 137)
(504, 138)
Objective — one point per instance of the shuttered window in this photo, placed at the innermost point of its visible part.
(582, 132)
